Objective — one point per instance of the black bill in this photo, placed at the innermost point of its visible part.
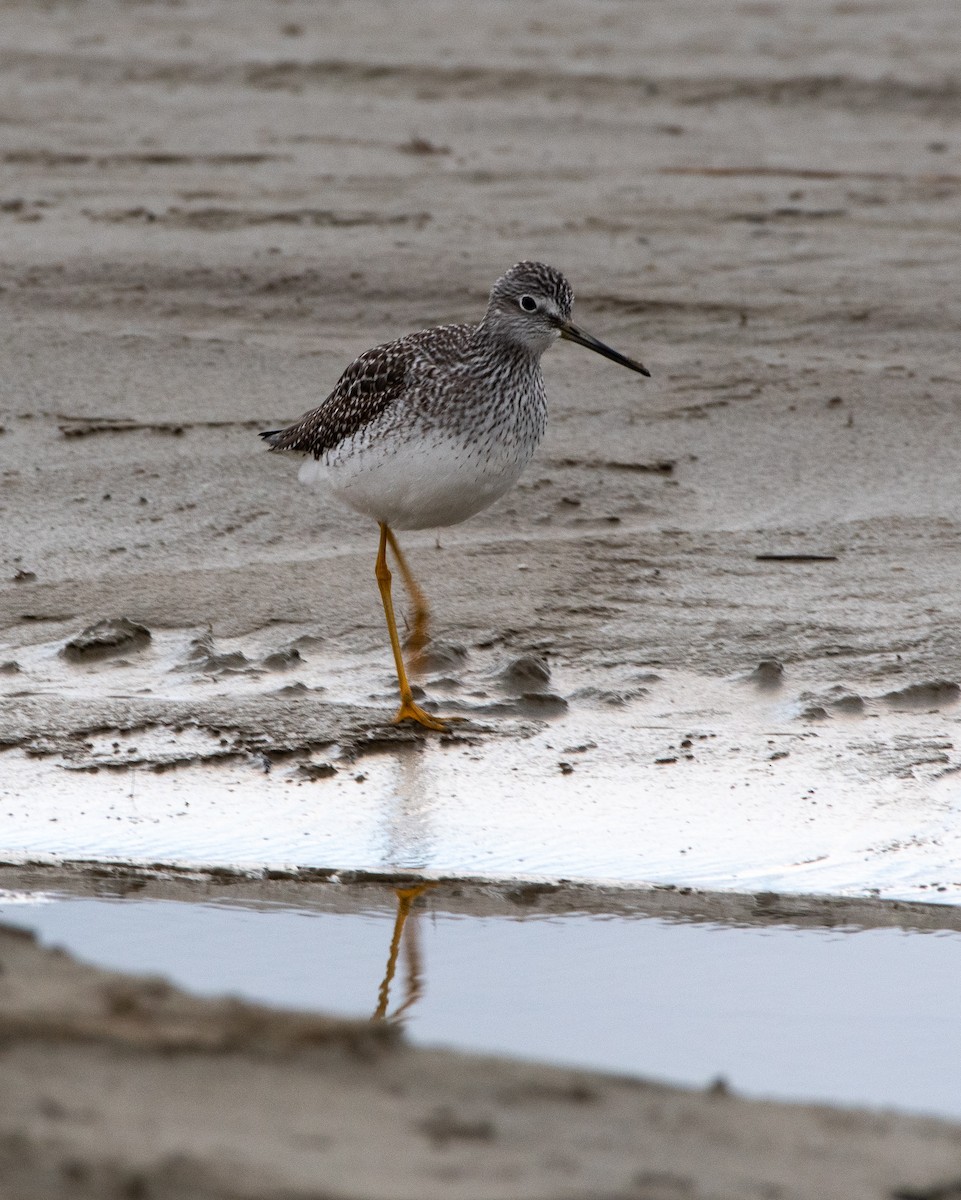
(571, 333)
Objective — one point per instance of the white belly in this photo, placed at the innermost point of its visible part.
(418, 484)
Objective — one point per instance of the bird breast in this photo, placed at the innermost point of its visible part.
(421, 466)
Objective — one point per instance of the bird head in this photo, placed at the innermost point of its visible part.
(531, 306)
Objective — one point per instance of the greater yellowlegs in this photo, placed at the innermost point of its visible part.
(429, 429)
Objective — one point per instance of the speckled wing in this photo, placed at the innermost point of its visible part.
(372, 382)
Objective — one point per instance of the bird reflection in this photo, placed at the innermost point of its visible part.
(409, 834)
(405, 934)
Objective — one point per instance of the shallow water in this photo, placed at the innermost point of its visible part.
(747, 803)
(856, 1016)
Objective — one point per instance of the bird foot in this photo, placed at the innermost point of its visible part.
(409, 711)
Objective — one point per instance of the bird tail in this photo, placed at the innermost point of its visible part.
(271, 436)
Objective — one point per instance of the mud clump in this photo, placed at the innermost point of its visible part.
(313, 771)
(767, 676)
(528, 680)
(283, 660)
(529, 673)
(540, 704)
(445, 1126)
(814, 712)
(294, 689)
(939, 693)
(613, 697)
(445, 658)
(106, 639)
(837, 699)
(203, 657)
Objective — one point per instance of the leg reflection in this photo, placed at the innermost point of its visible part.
(405, 934)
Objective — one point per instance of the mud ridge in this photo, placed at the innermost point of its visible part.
(470, 81)
(219, 219)
(131, 158)
(328, 889)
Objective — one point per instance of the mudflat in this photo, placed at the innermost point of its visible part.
(712, 636)
(740, 573)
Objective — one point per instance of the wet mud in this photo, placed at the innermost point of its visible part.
(711, 639)
(406, 1121)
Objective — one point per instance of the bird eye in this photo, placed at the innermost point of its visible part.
(528, 303)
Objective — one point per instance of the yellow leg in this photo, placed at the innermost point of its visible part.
(405, 902)
(408, 711)
(419, 634)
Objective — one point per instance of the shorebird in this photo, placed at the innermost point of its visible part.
(427, 430)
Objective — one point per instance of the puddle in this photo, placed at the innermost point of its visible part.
(849, 1015)
(602, 797)
(257, 752)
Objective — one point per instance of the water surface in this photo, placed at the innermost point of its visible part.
(855, 1016)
